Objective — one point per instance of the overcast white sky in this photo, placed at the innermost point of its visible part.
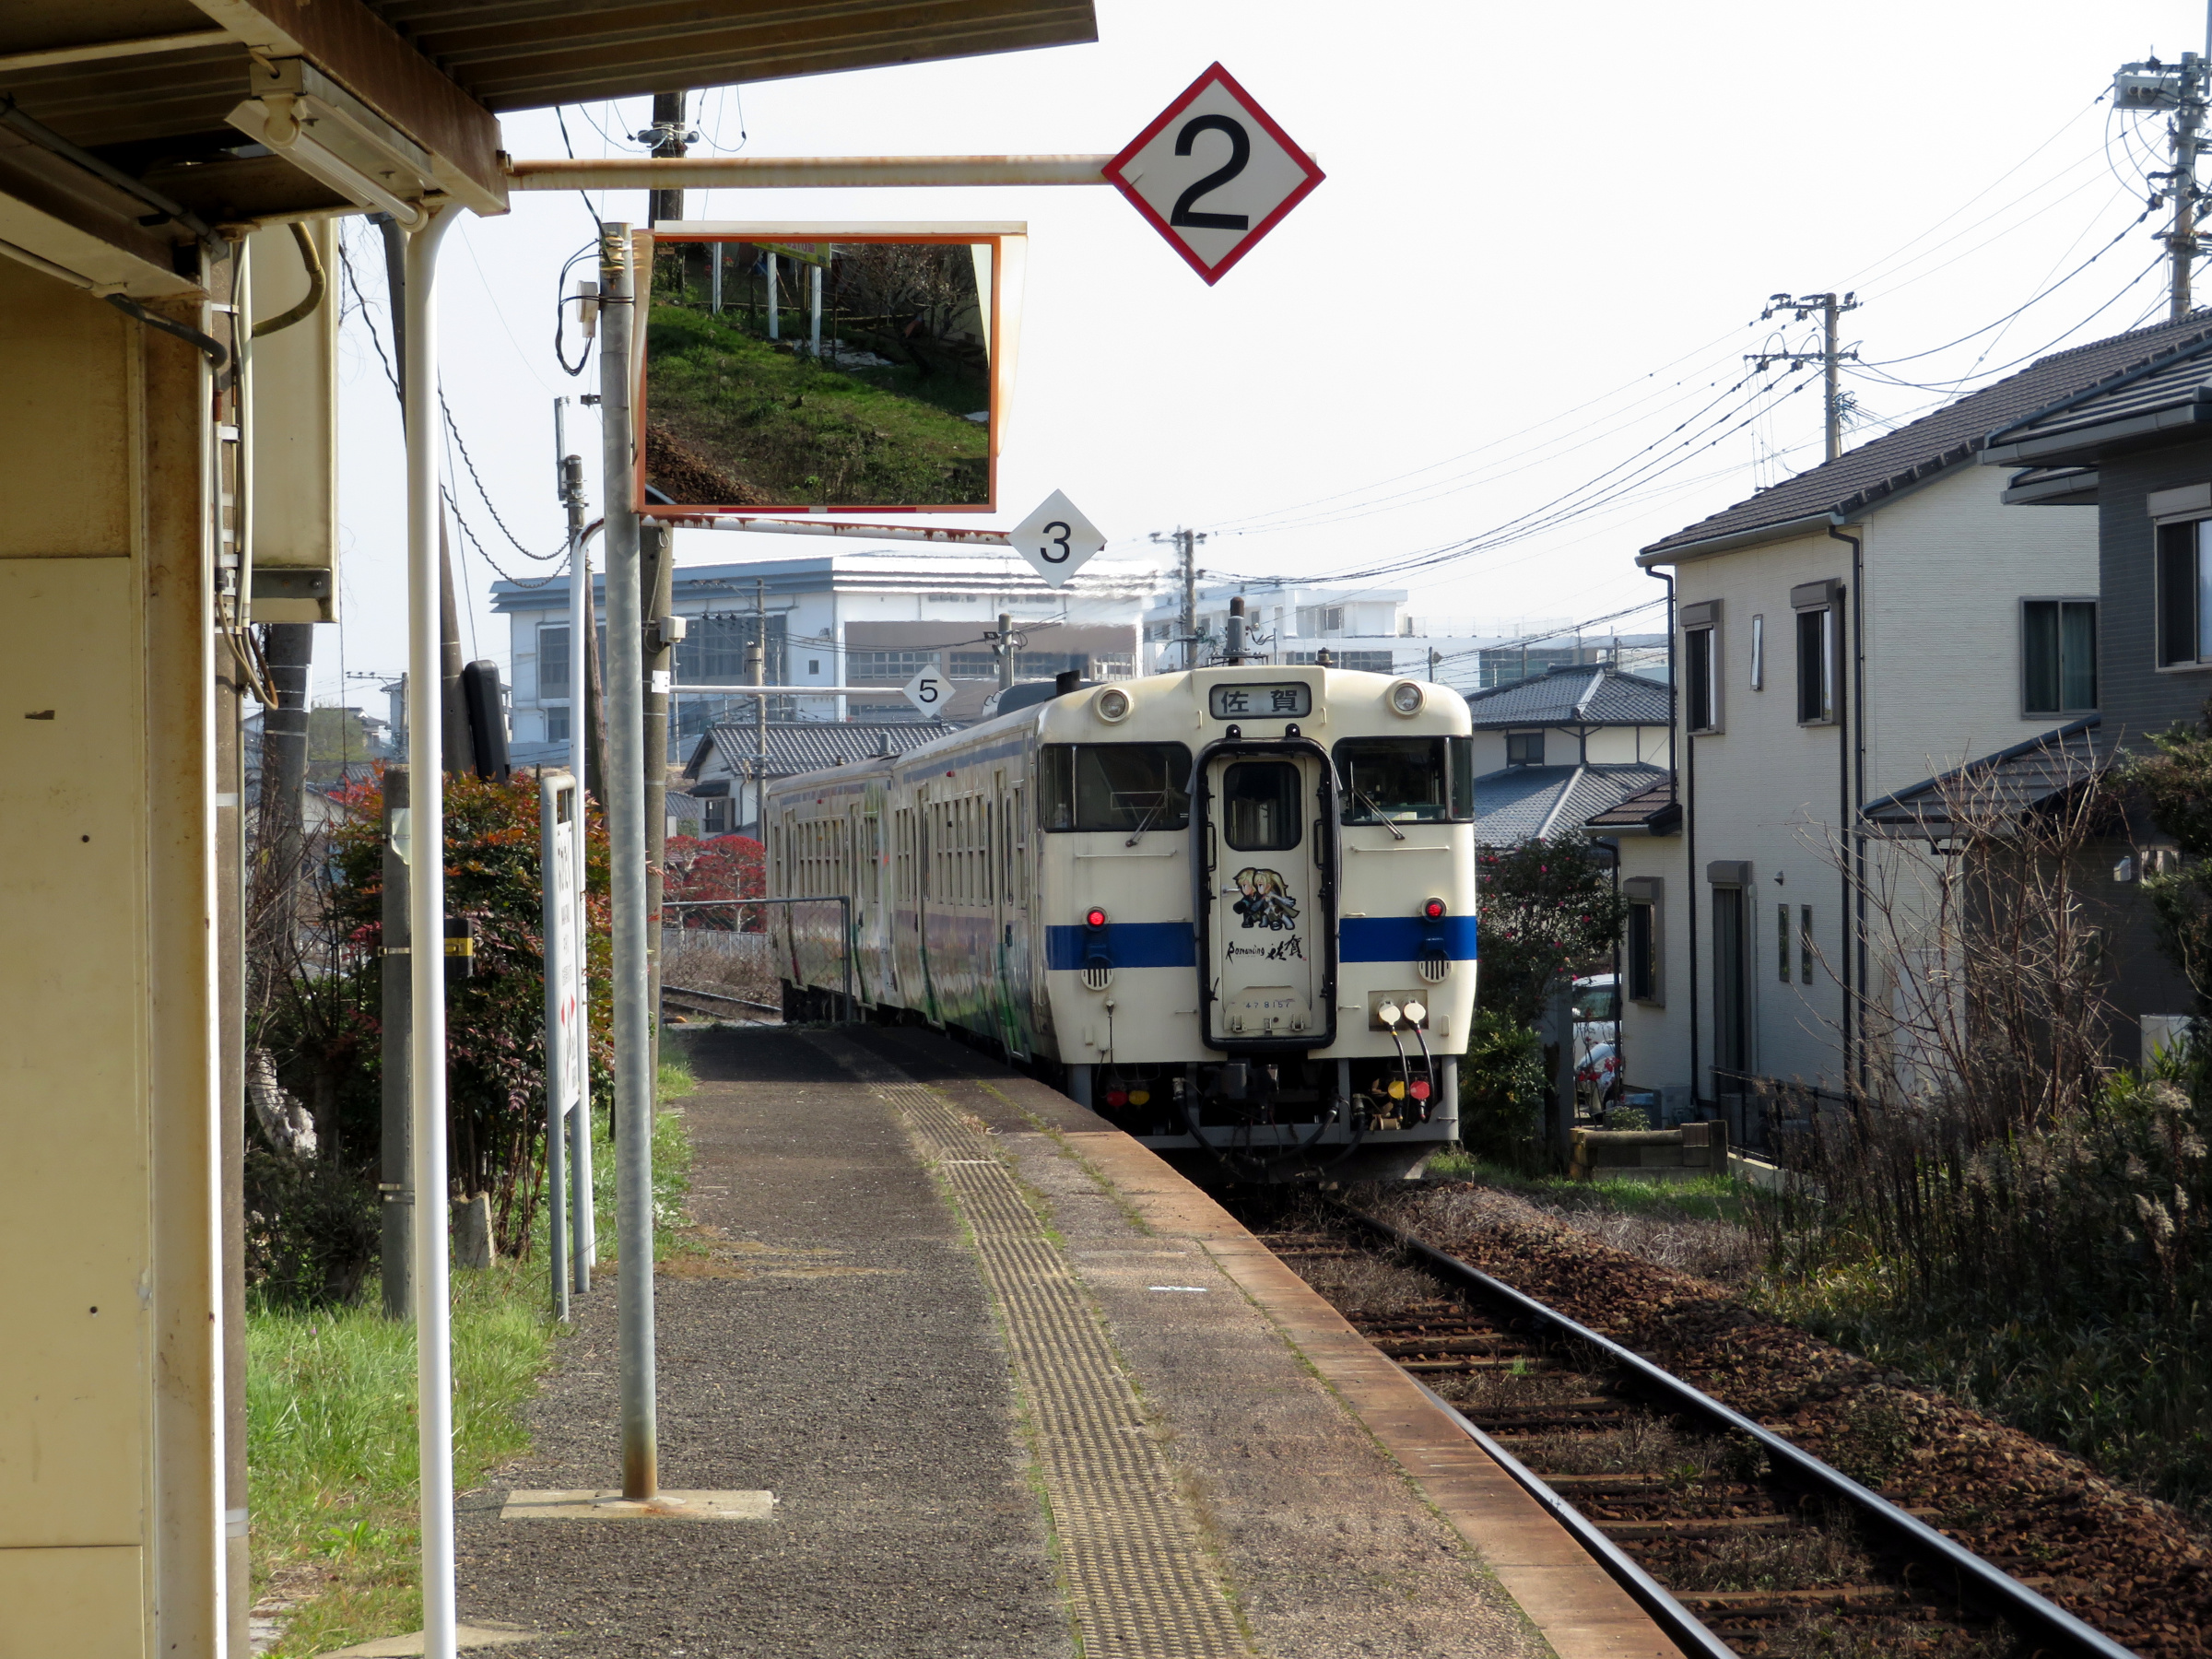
(1543, 241)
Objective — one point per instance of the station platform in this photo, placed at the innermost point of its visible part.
(1019, 1389)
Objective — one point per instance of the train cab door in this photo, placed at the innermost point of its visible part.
(1268, 929)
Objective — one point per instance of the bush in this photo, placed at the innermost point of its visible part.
(1502, 1086)
(1548, 910)
(312, 1224)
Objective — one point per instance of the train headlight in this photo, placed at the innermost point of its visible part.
(1407, 697)
(1113, 704)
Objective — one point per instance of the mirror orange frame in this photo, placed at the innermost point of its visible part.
(727, 413)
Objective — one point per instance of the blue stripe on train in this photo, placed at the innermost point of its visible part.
(1127, 945)
(1400, 939)
(1175, 944)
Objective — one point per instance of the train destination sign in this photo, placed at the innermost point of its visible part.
(1214, 173)
(1291, 699)
(1057, 539)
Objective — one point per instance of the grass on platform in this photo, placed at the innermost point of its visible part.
(330, 1408)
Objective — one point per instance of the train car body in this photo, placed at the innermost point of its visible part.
(1232, 910)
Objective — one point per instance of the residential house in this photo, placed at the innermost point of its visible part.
(2137, 447)
(1871, 624)
(1552, 750)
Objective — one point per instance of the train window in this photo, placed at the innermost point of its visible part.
(1399, 779)
(1260, 809)
(1125, 786)
(1462, 776)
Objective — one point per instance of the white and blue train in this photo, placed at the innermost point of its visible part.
(1232, 910)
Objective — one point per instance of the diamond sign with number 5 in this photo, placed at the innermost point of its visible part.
(1057, 540)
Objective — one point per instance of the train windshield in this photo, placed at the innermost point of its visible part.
(1125, 786)
(1405, 780)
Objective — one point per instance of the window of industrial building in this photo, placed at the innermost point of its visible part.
(2185, 594)
(1782, 943)
(883, 667)
(556, 724)
(553, 661)
(1524, 749)
(1125, 786)
(2058, 656)
(1805, 943)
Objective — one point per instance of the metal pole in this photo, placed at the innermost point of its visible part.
(1005, 649)
(775, 301)
(814, 310)
(760, 708)
(2188, 118)
(626, 836)
(395, 1173)
(582, 634)
(231, 950)
(657, 547)
(553, 883)
(668, 125)
(714, 254)
(433, 1333)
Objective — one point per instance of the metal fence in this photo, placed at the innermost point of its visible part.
(1758, 1111)
(730, 942)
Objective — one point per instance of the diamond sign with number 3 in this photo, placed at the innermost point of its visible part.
(1057, 540)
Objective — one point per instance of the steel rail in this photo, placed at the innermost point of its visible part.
(716, 996)
(2056, 1630)
(1681, 1626)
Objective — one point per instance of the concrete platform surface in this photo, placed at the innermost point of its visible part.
(1013, 1383)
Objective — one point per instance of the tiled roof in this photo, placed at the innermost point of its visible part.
(1575, 696)
(802, 745)
(1647, 808)
(1525, 801)
(1949, 437)
(2174, 391)
(2005, 784)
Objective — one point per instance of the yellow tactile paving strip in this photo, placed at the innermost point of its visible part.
(1579, 1610)
(1138, 1586)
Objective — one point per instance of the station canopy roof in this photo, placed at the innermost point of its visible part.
(171, 94)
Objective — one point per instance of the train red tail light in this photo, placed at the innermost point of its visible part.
(1094, 917)
(1434, 909)
(1420, 1089)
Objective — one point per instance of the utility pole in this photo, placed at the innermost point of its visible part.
(2181, 90)
(1002, 645)
(670, 136)
(1831, 357)
(1187, 541)
(626, 841)
(586, 737)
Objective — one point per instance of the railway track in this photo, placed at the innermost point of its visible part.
(716, 1004)
(1734, 1540)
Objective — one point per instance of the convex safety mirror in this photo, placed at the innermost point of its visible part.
(827, 368)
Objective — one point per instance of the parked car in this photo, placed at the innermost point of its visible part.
(1597, 1008)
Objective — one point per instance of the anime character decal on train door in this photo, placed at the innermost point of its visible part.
(1266, 902)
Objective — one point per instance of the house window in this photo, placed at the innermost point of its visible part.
(1816, 666)
(1640, 947)
(2058, 654)
(1524, 749)
(556, 724)
(1805, 943)
(1782, 943)
(1701, 695)
(814, 664)
(2185, 594)
(553, 662)
(1758, 654)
